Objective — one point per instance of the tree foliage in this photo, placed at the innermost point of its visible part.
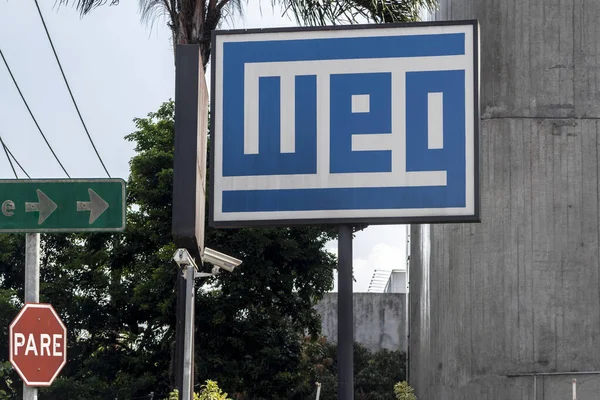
(12, 262)
(404, 392)
(211, 391)
(375, 373)
(115, 293)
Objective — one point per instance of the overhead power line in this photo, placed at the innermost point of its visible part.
(8, 152)
(69, 88)
(17, 161)
(8, 158)
(31, 113)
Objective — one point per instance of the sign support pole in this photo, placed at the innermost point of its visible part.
(345, 315)
(32, 288)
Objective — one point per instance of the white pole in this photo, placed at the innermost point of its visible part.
(574, 389)
(32, 288)
(188, 357)
(318, 390)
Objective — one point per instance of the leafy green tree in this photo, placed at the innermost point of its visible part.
(319, 363)
(116, 294)
(375, 373)
(404, 392)
(376, 379)
(12, 261)
(211, 391)
(5, 375)
(192, 21)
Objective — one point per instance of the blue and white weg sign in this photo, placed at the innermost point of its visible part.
(371, 124)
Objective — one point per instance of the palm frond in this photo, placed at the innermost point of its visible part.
(334, 12)
(192, 21)
(230, 9)
(85, 6)
(153, 10)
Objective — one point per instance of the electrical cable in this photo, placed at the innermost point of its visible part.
(17, 161)
(7, 150)
(69, 88)
(31, 113)
(8, 157)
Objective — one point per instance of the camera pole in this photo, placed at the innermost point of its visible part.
(185, 359)
(187, 383)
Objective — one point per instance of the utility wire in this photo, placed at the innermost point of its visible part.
(7, 150)
(17, 161)
(9, 160)
(31, 113)
(69, 88)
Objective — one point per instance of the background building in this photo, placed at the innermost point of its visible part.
(379, 319)
(396, 282)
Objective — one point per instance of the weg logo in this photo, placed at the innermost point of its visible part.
(345, 125)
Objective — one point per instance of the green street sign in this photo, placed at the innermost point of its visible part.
(62, 205)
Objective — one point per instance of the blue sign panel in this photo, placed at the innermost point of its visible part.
(371, 124)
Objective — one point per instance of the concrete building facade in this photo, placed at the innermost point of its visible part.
(379, 319)
(496, 306)
(396, 282)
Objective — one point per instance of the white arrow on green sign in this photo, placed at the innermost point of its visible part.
(62, 205)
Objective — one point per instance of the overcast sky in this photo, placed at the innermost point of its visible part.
(118, 69)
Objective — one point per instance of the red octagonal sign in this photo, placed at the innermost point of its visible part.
(38, 344)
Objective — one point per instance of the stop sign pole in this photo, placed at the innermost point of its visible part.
(32, 289)
(37, 336)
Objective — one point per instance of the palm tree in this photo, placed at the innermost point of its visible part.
(192, 21)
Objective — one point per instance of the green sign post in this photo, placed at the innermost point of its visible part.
(62, 205)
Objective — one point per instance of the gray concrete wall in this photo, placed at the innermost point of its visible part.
(379, 319)
(520, 291)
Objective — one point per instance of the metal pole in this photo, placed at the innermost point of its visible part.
(345, 315)
(32, 288)
(180, 331)
(187, 387)
(407, 308)
(318, 391)
(574, 389)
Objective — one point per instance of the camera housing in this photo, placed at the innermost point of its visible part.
(183, 257)
(220, 260)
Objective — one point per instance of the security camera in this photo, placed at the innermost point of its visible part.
(220, 260)
(182, 257)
